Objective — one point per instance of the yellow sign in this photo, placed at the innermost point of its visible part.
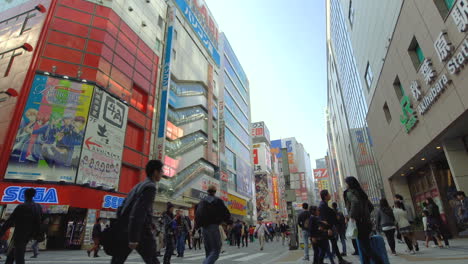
(236, 205)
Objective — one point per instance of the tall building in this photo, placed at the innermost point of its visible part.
(348, 133)
(79, 130)
(418, 113)
(235, 119)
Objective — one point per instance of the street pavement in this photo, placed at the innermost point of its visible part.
(273, 253)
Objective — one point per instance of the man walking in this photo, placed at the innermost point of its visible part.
(237, 233)
(26, 218)
(303, 222)
(283, 230)
(245, 235)
(261, 231)
(136, 214)
(328, 215)
(182, 232)
(96, 236)
(169, 227)
(340, 228)
(211, 212)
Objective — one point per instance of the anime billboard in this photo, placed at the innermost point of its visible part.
(50, 137)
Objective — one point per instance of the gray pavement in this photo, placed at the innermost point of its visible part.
(273, 253)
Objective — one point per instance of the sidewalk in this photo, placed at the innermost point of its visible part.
(456, 254)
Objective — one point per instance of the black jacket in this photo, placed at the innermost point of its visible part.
(305, 215)
(283, 227)
(96, 231)
(327, 214)
(211, 210)
(137, 210)
(314, 228)
(26, 218)
(169, 224)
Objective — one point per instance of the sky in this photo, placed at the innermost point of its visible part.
(281, 46)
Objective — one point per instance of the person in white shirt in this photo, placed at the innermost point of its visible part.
(260, 230)
(406, 230)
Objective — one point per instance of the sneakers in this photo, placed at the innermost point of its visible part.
(307, 259)
(412, 252)
(394, 253)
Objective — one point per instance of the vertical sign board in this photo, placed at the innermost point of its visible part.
(101, 156)
(166, 81)
(50, 137)
(321, 176)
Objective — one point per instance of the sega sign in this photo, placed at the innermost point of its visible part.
(43, 195)
(113, 202)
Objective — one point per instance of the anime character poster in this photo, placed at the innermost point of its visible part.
(104, 138)
(48, 142)
(262, 195)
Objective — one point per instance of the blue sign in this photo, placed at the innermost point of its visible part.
(43, 195)
(197, 27)
(110, 201)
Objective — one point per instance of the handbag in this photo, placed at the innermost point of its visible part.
(351, 229)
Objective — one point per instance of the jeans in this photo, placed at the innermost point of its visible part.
(3, 246)
(305, 236)
(35, 248)
(342, 236)
(169, 239)
(181, 244)
(364, 230)
(390, 234)
(212, 241)
(245, 240)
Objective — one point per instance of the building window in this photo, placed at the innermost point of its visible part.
(369, 76)
(386, 110)
(416, 53)
(158, 44)
(444, 6)
(160, 22)
(135, 136)
(139, 98)
(174, 54)
(399, 91)
(351, 13)
(175, 34)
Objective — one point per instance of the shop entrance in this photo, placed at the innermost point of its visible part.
(66, 231)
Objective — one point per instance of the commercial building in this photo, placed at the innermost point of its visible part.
(79, 130)
(418, 113)
(350, 144)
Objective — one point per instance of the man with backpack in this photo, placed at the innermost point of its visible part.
(303, 223)
(328, 216)
(211, 212)
(134, 219)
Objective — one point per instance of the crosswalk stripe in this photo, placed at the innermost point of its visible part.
(251, 257)
(232, 256)
(195, 258)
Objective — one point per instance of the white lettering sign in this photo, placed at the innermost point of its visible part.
(427, 71)
(443, 46)
(460, 15)
(415, 90)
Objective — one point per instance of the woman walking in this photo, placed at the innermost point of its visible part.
(434, 220)
(386, 223)
(359, 208)
(401, 218)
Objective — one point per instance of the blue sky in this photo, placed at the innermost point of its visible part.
(281, 46)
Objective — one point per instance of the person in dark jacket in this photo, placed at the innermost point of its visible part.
(329, 216)
(182, 232)
(138, 209)
(386, 223)
(170, 227)
(435, 221)
(211, 212)
(359, 209)
(340, 227)
(237, 233)
(303, 223)
(318, 232)
(26, 218)
(96, 236)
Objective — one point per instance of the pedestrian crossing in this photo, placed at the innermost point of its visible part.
(236, 257)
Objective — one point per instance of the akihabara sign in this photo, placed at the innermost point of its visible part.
(454, 62)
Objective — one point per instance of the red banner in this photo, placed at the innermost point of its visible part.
(320, 173)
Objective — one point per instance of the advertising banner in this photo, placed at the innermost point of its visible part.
(290, 146)
(275, 193)
(320, 173)
(259, 130)
(236, 205)
(244, 177)
(262, 195)
(261, 157)
(50, 137)
(364, 155)
(101, 157)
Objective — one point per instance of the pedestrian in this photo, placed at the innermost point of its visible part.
(406, 230)
(96, 236)
(340, 228)
(328, 215)
(181, 233)
(26, 218)
(245, 235)
(435, 222)
(462, 211)
(359, 208)
(261, 230)
(211, 212)
(277, 232)
(196, 234)
(430, 234)
(399, 197)
(303, 223)
(188, 238)
(318, 232)
(251, 233)
(271, 231)
(237, 233)
(283, 229)
(136, 216)
(386, 223)
(170, 227)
